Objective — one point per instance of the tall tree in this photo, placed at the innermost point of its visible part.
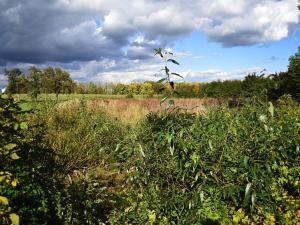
(13, 76)
(35, 81)
(56, 80)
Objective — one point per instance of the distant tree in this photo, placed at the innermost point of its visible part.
(255, 85)
(185, 89)
(56, 80)
(294, 75)
(13, 75)
(48, 81)
(62, 82)
(16, 81)
(80, 88)
(147, 89)
(91, 88)
(120, 89)
(134, 88)
(35, 81)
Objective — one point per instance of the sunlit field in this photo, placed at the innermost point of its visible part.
(149, 112)
(127, 110)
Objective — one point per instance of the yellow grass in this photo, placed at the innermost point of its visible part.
(131, 111)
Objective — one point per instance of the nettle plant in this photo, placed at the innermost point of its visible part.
(167, 79)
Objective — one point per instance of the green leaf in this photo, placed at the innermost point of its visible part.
(23, 126)
(161, 80)
(210, 145)
(14, 218)
(16, 126)
(152, 216)
(172, 149)
(176, 74)
(253, 200)
(271, 109)
(10, 146)
(246, 161)
(167, 70)
(163, 100)
(3, 200)
(141, 151)
(173, 61)
(14, 156)
(247, 190)
(158, 51)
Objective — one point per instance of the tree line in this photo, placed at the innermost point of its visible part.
(37, 81)
(56, 80)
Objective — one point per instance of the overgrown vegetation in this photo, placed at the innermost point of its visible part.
(223, 166)
(227, 167)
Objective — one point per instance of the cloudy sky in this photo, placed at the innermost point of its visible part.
(113, 40)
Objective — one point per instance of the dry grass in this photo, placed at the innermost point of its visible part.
(131, 111)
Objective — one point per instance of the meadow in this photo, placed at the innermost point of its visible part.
(90, 159)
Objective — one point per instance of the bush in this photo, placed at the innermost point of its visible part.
(29, 167)
(238, 166)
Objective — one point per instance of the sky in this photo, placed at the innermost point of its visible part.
(114, 40)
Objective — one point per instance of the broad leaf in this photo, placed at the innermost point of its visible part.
(163, 100)
(161, 80)
(247, 190)
(14, 156)
(176, 74)
(10, 146)
(3, 200)
(14, 218)
(271, 109)
(23, 126)
(173, 61)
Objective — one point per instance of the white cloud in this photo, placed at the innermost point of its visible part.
(105, 37)
(214, 75)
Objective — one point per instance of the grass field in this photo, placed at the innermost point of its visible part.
(127, 110)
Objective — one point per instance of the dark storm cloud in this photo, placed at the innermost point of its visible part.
(39, 31)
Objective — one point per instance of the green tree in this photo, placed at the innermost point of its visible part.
(120, 89)
(56, 80)
(14, 77)
(134, 88)
(294, 75)
(147, 89)
(35, 81)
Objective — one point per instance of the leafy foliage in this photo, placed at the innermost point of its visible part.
(22, 167)
(8, 152)
(229, 167)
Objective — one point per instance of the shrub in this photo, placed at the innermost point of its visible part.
(238, 166)
(27, 164)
